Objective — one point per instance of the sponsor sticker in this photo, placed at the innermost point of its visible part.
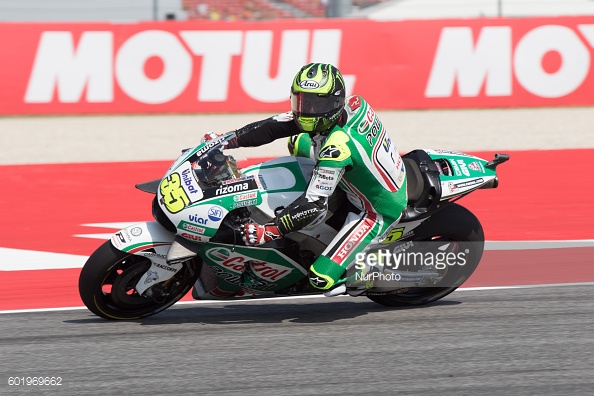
(218, 254)
(268, 271)
(154, 255)
(208, 145)
(376, 128)
(240, 179)
(190, 184)
(246, 196)
(151, 276)
(136, 231)
(456, 186)
(215, 213)
(354, 102)
(329, 152)
(451, 152)
(121, 237)
(351, 243)
(463, 167)
(191, 237)
(174, 195)
(232, 187)
(456, 168)
(191, 227)
(476, 166)
(309, 84)
(242, 204)
(262, 182)
(197, 219)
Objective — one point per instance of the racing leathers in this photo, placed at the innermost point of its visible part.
(357, 156)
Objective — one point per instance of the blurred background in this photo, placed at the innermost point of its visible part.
(259, 10)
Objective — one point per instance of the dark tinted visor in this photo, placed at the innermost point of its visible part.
(313, 105)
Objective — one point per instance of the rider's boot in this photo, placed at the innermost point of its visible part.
(326, 275)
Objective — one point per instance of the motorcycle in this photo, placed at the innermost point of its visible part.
(204, 199)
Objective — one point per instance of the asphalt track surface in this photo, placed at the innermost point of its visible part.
(503, 341)
(534, 341)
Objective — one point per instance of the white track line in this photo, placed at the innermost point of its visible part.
(231, 302)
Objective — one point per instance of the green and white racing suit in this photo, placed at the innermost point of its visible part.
(357, 156)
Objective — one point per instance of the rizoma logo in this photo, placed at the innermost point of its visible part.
(232, 188)
(309, 84)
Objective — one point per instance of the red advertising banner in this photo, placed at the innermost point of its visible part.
(199, 67)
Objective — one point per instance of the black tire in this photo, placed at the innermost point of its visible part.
(452, 223)
(107, 280)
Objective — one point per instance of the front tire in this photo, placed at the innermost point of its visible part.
(452, 223)
(107, 280)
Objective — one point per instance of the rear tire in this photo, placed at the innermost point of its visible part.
(107, 280)
(452, 223)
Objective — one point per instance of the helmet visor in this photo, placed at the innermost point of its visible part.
(313, 105)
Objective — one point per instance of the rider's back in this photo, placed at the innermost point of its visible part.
(375, 173)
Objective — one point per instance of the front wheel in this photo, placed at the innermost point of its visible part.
(108, 279)
(453, 223)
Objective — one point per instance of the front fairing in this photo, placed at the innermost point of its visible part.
(191, 191)
(197, 200)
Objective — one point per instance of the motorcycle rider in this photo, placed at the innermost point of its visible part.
(352, 151)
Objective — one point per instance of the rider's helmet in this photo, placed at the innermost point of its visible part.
(317, 97)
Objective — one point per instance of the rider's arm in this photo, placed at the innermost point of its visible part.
(310, 209)
(262, 132)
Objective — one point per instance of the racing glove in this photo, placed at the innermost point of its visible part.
(231, 144)
(257, 234)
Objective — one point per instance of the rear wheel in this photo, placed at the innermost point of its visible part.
(453, 224)
(108, 279)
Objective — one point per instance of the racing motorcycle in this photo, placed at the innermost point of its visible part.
(204, 199)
